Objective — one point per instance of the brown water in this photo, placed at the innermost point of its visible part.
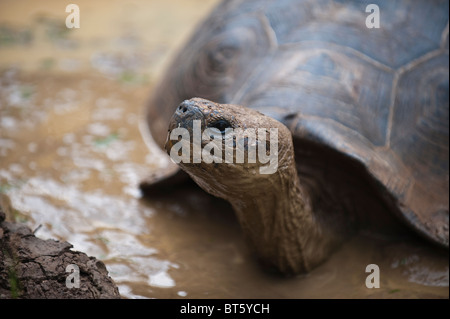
(72, 155)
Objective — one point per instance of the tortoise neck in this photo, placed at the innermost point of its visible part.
(280, 224)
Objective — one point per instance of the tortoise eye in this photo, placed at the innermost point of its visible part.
(221, 125)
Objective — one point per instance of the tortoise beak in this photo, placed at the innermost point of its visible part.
(168, 145)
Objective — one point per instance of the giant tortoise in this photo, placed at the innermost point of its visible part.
(362, 116)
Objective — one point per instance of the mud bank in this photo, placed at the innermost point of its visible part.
(34, 268)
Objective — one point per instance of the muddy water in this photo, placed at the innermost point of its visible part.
(72, 154)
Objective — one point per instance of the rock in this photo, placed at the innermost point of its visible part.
(32, 268)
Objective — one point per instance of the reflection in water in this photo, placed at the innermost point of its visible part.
(72, 155)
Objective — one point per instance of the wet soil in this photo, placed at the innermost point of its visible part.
(32, 268)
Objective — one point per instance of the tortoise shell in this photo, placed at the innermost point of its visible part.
(378, 95)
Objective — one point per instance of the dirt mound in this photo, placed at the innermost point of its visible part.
(34, 268)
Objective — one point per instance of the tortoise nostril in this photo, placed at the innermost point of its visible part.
(183, 107)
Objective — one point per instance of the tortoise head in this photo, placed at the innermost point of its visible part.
(229, 150)
(247, 158)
